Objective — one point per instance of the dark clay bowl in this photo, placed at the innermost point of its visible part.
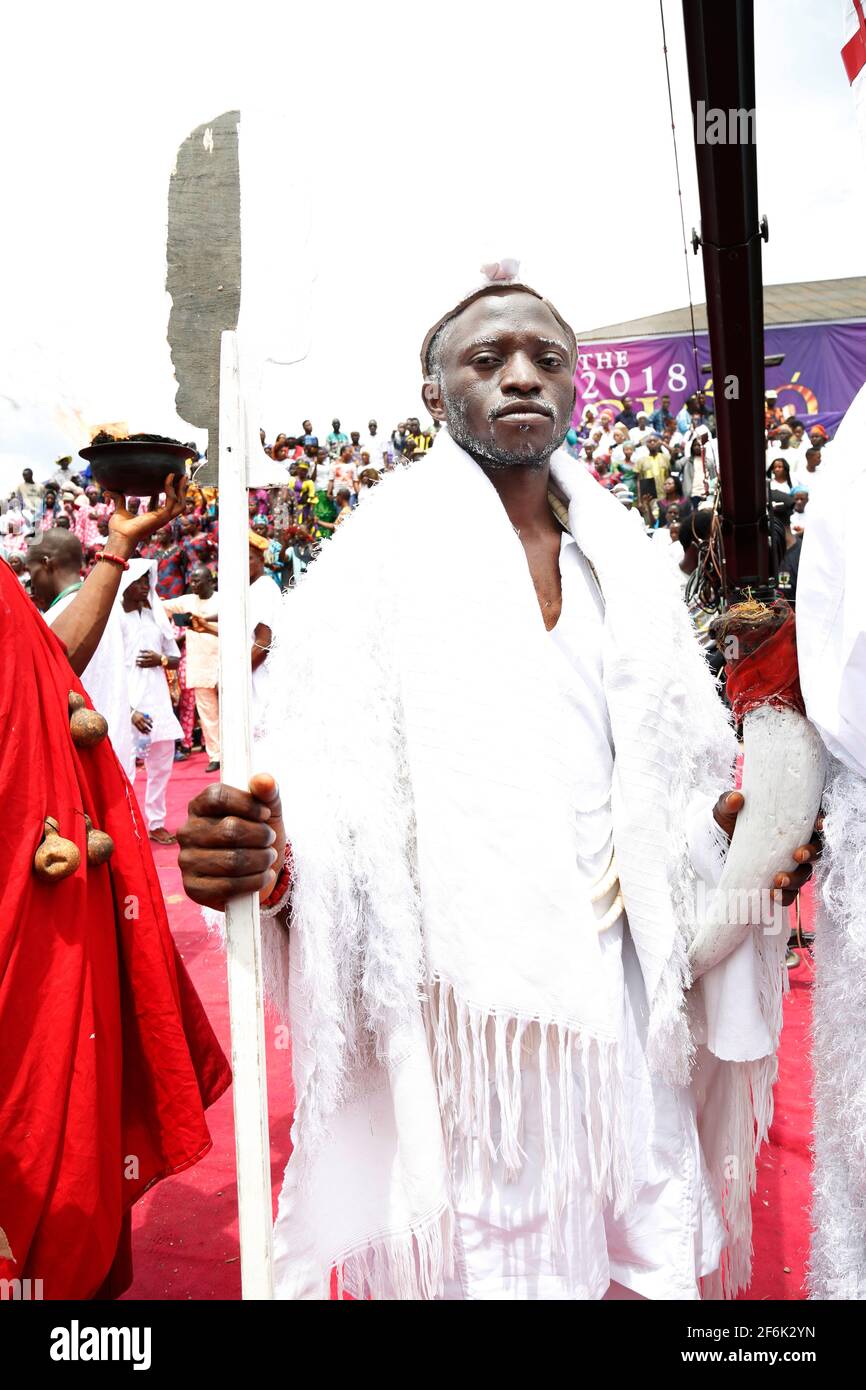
(135, 468)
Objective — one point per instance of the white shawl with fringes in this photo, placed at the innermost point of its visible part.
(438, 926)
(837, 1264)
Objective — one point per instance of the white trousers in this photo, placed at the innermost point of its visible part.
(208, 705)
(659, 1248)
(158, 763)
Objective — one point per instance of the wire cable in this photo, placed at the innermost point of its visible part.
(680, 196)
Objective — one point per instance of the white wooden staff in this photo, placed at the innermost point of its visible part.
(243, 934)
(217, 333)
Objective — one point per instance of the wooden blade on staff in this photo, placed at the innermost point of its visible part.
(204, 280)
(203, 270)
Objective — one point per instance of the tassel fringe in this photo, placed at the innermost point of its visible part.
(477, 1062)
(411, 1265)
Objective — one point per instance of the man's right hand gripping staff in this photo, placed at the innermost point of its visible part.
(233, 842)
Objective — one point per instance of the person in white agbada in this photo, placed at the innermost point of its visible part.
(55, 561)
(831, 641)
(505, 1087)
(202, 654)
(149, 650)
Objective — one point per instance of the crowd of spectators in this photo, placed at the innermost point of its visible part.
(325, 480)
(662, 467)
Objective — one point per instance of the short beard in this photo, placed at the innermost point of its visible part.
(485, 452)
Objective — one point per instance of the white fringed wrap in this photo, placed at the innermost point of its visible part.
(437, 930)
(837, 1267)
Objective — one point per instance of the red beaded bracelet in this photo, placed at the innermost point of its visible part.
(115, 560)
(281, 891)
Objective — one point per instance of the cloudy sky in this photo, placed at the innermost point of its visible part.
(419, 141)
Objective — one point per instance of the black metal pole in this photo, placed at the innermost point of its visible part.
(720, 48)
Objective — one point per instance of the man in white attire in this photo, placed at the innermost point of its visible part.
(150, 650)
(505, 1087)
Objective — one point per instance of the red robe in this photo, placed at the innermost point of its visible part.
(107, 1060)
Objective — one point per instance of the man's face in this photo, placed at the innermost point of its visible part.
(666, 400)
(800, 500)
(355, 437)
(28, 475)
(136, 594)
(335, 426)
(372, 427)
(626, 402)
(200, 581)
(308, 427)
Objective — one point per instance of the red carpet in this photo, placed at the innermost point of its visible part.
(185, 1240)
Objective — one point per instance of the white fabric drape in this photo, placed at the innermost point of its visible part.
(831, 640)
(422, 955)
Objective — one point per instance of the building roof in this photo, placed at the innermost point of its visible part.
(813, 301)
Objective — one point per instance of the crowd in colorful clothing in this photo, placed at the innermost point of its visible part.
(324, 482)
(662, 466)
(327, 479)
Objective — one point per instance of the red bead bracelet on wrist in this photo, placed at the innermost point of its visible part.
(115, 560)
(281, 891)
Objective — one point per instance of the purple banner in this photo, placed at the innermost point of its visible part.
(824, 368)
